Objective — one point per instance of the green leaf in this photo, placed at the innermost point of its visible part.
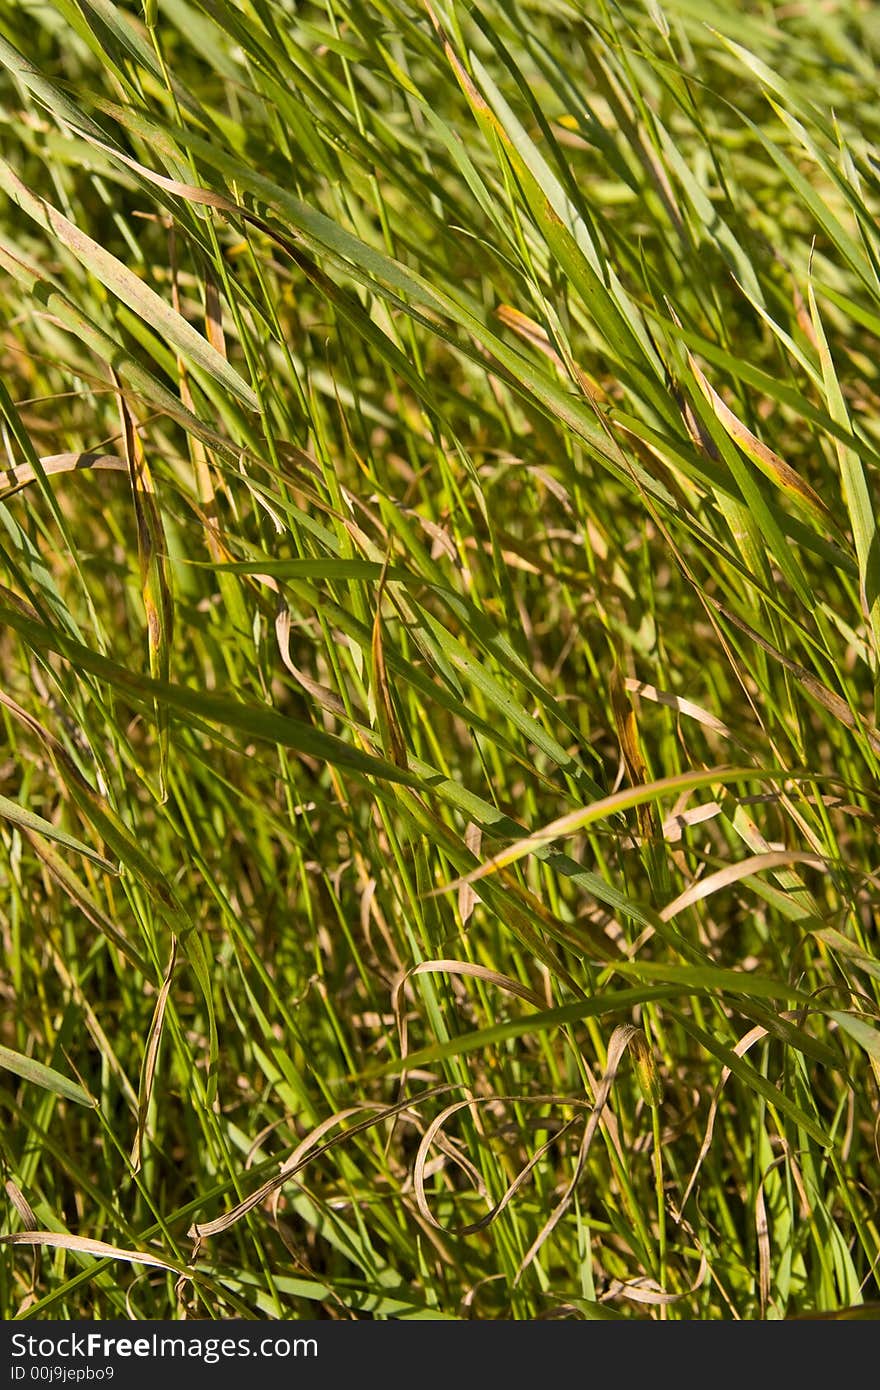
(29, 820)
(46, 1077)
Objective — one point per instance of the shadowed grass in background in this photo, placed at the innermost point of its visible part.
(440, 626)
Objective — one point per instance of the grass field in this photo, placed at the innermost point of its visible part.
(440, 630)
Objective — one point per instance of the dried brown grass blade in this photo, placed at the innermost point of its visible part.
(679, 819)
(733, 873)
(754, 1035)
(435, 1129)
(762, 1236)
(305, 1152)
(326, 698)
(198, 448)
(60, 1240)
(21, 1205)
(645, 1290)
(151, 1052)
(467, 898)
(631, 748)
(14, 478)
(30, 1223)
(214, 316)
(617, 1046)
(453, 967)
(681, 706)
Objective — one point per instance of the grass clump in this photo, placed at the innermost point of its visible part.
(441, 606)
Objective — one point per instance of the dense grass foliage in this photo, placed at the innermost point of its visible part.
(440, 628)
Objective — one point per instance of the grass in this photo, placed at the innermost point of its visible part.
(441, 617)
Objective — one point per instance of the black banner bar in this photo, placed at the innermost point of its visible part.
(263, 1355)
